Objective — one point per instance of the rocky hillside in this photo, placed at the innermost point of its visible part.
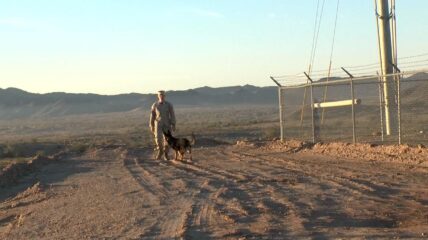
(16, 103)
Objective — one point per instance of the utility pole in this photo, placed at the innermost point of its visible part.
(386, 56)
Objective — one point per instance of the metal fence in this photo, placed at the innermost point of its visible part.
(352, 109)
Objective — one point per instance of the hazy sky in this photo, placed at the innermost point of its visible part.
(112, 46)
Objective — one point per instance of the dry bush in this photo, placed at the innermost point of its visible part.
(10, 151)
(271, 133)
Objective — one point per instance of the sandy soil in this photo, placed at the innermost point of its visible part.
(244, 191)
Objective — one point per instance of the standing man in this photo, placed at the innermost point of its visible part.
(162, 118)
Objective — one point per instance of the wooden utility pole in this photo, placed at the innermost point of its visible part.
(386, 57)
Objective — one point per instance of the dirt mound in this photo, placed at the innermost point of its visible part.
(33, 190)
(209, 142)
(393, 153)
(245, 143)
(369, 152)
(288, 146)
(14, 171)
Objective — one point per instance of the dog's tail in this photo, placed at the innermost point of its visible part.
(193, 141)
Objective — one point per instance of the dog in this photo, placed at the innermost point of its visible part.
(180, 145)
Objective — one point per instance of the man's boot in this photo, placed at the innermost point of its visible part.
(166, 157)
(159, 154)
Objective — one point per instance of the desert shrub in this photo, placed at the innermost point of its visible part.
(7, 161)
(9, 151)
(271, 132)
(41, 153)
(78, 147)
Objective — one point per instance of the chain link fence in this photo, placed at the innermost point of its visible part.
(352, 109)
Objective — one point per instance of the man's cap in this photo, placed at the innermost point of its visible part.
(161, 92)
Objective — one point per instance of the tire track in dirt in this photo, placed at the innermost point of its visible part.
(278, 212)
(232, 199)
(316, 183)
(302, 212)
(228, 192)
(356, 181)
(172, 208)
(306, 208)
(143, 178)
(260, 197)
(225, 209)
(319, 172)
(180, 218)
(243, 200)
(208, 209)
(246, 173)
(202, 213)
(372, 195)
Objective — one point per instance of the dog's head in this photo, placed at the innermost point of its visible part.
(168, 136)
(167, 133)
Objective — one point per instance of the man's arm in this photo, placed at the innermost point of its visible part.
(152, 118)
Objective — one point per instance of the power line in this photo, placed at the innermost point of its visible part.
(419, 61)
(414, 56)
(334, 30)
(317, 27)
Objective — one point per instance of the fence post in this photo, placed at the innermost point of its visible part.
(281, 108)
(312, 107)
(312, 110)
(381, 105)
(281, 112)
(398, 77)
(354, 139)
(399, 109)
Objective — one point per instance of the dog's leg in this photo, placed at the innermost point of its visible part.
(190, 153)
(176, 155)
(182, 155)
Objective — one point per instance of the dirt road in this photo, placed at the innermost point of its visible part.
(227, 192)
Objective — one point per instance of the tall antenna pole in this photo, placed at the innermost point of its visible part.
(386, 56)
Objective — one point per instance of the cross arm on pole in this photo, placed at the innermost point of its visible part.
(276, 82)
(349, 74)
(395, 67)
(309, 78)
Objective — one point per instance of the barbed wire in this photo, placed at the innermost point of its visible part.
(364, 78)
(414, 56)
(412, 62)
(323, 73)
(413, 66)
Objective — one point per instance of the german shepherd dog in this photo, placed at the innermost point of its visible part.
(180, 145)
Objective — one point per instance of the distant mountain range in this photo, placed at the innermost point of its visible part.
(16, 103)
